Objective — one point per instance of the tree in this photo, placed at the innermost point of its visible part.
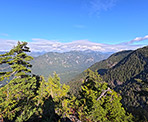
(16, 98)
(27, 97)
(97, 102)
(59, 93)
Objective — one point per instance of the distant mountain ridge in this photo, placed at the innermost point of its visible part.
(2, 52)
(33, 54)
(66, 64)
(36, 54)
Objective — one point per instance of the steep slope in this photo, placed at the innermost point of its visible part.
(67, 64)
(135, 65)
(101, 67)
(135, 98)
(127, 73)
(104, 65)
(130, 78)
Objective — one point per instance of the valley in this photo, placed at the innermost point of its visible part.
(67, 65)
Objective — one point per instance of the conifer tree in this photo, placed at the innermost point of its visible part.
(16, 98)
(59, 93)
(24, 98)
(97, 102)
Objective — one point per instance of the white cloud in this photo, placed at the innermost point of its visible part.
(81, 45)
(6, 45)
(97, 6)
(38, 45)
(137, 39)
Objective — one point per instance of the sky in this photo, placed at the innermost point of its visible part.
(64, 25)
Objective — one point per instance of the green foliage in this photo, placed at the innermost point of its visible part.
(101, 67)
(97, 102)
(122, 78)
(135, 94)
(16, 98)
(135, 65)
(26, 97)
(59, 93)
(120, 71)
(110, 62)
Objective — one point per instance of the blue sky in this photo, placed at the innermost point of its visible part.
(101, 22)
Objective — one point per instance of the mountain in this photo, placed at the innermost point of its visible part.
(2, 52)
(33, 54)
(135, 65)
(104, 65)
(127, 73)
(101, 67)
(36, 54)
(67, 64)
(129, 77)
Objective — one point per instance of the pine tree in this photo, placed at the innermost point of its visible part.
(97, 102)
(59, 93)
(16, 98)
(26, 97)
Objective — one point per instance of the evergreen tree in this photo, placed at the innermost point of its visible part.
(97, 102)
(16, 98)
(59, 93)
(24, 98)
(45, 109)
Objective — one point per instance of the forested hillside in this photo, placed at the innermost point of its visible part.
(101, 67)
(130, 78)
(135, 65)
(67, 65)
(128, 75)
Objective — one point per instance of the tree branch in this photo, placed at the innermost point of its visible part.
(103, 93)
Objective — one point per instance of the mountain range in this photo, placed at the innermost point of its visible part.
(67, 64)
